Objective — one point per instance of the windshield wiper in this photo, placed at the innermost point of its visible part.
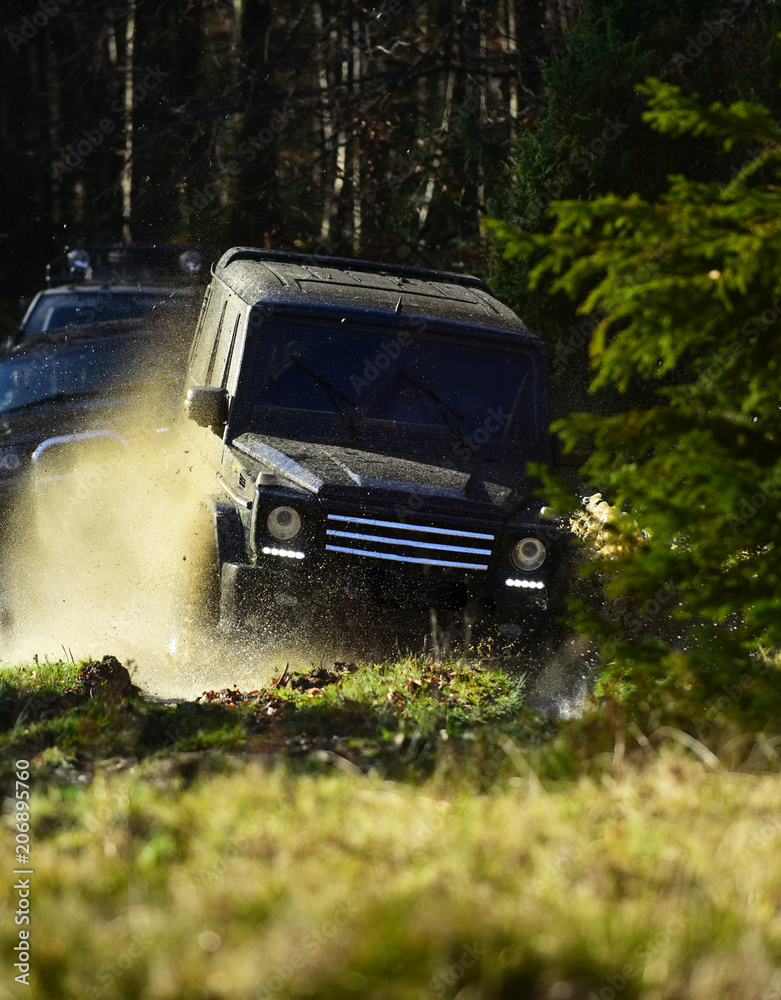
(335, 395)
(516, 403)
(445, 409)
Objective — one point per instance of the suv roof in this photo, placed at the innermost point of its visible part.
(125, 263)
(279, 279)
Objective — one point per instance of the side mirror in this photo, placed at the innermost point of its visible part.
(571, 459)
(207, 405)
(9, 344)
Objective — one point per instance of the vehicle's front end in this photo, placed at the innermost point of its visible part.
(84, 393)
(393, 552)
(376, 469)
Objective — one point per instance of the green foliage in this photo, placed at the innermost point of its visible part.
(585, 137)
(686, 290)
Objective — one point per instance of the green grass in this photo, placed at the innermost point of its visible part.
(398, 718)
(344, 884)
(407, 830)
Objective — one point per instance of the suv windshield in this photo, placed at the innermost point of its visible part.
(105, 366)
(395, 391)
(54, 310)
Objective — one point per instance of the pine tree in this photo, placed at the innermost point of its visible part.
(685, 290)
(584, 135)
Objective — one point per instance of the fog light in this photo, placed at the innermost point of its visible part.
(526, 584)
(283, 523)
(286, 600)
(268, 550)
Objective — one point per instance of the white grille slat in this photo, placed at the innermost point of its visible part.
(409, 542)
(368, 535)
(403, 526)
(424, 561)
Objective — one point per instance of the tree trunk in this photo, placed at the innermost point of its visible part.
(321, 56)
(126, 177)
(512, 53)
(355, 70)
(447, 110)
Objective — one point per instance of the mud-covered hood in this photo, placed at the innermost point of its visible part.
(341, 472)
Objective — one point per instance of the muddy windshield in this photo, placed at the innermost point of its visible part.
(400, 391)
(94, 305)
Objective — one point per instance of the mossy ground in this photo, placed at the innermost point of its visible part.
(404, 830)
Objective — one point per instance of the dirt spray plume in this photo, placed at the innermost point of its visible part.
(106, 560)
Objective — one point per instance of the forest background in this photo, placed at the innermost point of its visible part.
(384, 132)
(395, 133)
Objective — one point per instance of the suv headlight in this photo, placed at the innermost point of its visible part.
(283, 523)
(528, 554)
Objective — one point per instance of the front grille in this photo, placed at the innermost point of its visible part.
(397, 541)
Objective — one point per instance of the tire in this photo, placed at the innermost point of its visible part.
(199, 591)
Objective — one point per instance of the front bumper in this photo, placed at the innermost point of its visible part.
(393, 592)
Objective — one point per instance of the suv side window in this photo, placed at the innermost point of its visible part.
(234, 356)
(206, 341)
(229, 325)
(201, 325)
(215, 346)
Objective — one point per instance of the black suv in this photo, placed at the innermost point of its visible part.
(371, 426)
(80, 390)
(106, 340)
(118, 281)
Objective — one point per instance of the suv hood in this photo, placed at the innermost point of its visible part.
(333, 471)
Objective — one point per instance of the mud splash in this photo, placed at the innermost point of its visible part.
(105, 561)
(97, 563)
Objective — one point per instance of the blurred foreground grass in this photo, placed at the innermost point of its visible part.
(426, 852)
